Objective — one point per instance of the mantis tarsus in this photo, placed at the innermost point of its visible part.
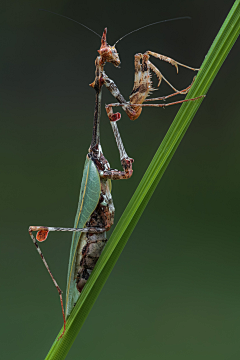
(95, 213)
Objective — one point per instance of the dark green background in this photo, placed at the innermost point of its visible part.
(175, 291)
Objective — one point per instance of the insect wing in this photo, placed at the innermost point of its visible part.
(88, 200)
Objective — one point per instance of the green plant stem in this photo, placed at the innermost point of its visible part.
(211, 65)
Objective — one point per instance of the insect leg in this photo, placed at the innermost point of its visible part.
(181, 92)
(44, 230)
(126, 161)
(173, 103)
(142, 83)
(160, 76)
(54, 281)
(141, 89)
(169, 60)
(41, 236)
(163, 105)
(119, 175)
(112, 87)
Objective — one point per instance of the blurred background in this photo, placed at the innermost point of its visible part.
(174, 293)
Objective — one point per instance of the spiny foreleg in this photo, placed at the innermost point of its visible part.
(112, 87)
(160, 76)
(141, 89)
(169, 60)
(180, 92)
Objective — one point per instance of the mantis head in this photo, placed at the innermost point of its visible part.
(107, 52)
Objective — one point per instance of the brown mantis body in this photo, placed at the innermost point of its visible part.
(91, 239)
(95, 214)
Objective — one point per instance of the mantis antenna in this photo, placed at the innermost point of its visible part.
(158, 22)
(72, 20)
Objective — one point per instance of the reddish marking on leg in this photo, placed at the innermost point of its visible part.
(42, 235)
(111, 115)
(115, 117)
(64, 320)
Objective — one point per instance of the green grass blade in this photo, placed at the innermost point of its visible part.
(211, 65)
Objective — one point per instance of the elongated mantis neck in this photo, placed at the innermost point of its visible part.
(96, 121)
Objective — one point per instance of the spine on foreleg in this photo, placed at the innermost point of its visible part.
(142, 84)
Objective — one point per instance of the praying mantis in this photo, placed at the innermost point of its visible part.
(95, 213)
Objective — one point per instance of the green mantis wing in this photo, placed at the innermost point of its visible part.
(88, 200)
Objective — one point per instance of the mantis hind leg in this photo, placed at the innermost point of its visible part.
(41, 236)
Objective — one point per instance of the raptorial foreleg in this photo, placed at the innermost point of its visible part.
(112, 87)
(180, 92)
(141, 89)
(169, 60)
